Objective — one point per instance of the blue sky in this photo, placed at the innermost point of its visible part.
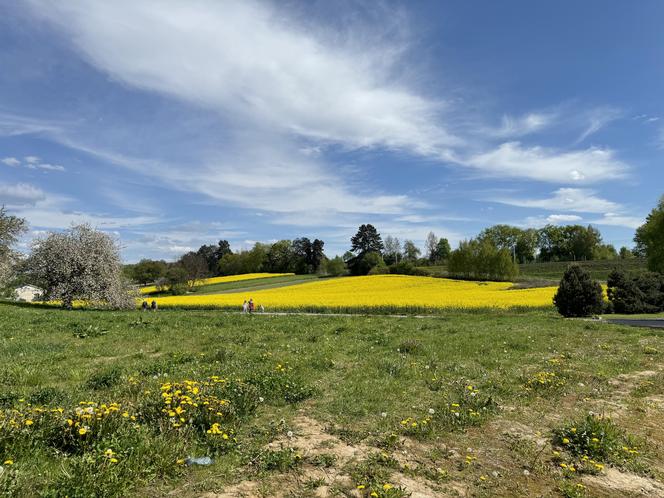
(173, 124)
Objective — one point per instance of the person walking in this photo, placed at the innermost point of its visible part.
(251, 305)
(153, 306)
(144, 305)
(245, 306)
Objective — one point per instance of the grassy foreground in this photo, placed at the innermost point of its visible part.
(488, 404)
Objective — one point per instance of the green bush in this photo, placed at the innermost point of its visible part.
(578, 294)
(636, 292)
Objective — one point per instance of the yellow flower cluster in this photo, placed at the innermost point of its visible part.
(377, 291)
(191, 402)
(221, 280)
(543, 380)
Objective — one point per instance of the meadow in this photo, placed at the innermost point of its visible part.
(374, 293)
(551, 272)
(100, 403)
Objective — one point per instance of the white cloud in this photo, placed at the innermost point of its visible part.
(46, 166)
(619, 220)
(539, 163)
(20, 195)
(259, 63)
(597, 119)
(523, 125)
(32, 162)
(558, 219)
(11, 161)
(566, 199)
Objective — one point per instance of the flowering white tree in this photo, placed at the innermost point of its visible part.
(80, 264)
(11, 228)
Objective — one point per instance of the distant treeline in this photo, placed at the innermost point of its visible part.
(300, 256)
(495, 254)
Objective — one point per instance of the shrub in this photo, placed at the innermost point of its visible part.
(406, 268)
(578, 294)
(636, 292)
(596, 439)
(364, 263)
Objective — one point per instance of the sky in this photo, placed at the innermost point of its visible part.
(174, 124)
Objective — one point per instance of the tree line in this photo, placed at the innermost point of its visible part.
(301, 256)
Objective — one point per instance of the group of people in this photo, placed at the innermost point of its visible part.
(250, 307)
(153, 306)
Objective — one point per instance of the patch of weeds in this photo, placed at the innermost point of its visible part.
(593, 441)
(281, 384)
(347, 435)
(389, 441)
(8, 398)
(644, 388)
(377, 338)
(410, 346)
(104, 378)
(220, 356)
(280, 460)
(527, 451)
(371, 477)
(433, 474)
(544, 381)
(83, 332)
(324, 460)
(45, 395)
(571, 489)
(465, 407)
(650, 350)
(313, 483)
(393, 368)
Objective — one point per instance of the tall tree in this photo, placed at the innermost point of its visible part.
(79, 264)
(148, 270)
(195, 266)
(443, 250)
(521, 244)
(410, 251)
(431, 246)
(367, 239)
(392, 250)
(11, 228)
(649, 238)
(280, 257)
(317, 255)
(310, 254)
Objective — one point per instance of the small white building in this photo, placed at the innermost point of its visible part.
(28, 293)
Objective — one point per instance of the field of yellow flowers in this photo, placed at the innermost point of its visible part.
(151, 289)
(384, 292)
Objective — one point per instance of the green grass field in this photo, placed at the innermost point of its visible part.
(551, 272)
(598, 269)
(456, 405)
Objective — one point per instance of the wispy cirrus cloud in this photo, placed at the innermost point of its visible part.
(597, 119)
(565, 199)
(285, 75)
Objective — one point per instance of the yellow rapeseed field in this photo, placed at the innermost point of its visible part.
(376, 291)
(219, 280)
